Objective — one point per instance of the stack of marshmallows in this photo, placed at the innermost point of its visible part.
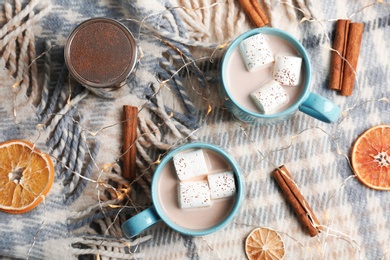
(197, 187)
(257, 54)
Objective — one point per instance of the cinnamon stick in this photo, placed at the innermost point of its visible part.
(340, 42)
(255, 13)
(355, 34)
(129, 138)
(297, 201)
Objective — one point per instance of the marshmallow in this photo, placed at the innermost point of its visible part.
(270, 97)
(190, 164)
(287, 70)
(222, 185)
(194, 194)
(255, 52)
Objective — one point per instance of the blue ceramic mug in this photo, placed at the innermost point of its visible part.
(158, 211)
(307, 102)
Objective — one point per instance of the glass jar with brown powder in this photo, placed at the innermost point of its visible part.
(101, 53)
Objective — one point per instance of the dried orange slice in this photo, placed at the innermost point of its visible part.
(26, 175)
(264, 243)
(370, 157)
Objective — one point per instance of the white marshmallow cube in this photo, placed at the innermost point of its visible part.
(194, 194)
(287, 70)
(270, 97)
(255, 52)
(222, 185)
(190, 164)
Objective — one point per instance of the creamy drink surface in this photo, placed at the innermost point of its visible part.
(194, 218)
(240, 82)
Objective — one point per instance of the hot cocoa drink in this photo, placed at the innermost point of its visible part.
(199, 217)
(241, 82)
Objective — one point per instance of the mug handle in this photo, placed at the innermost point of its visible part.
(140, 222)
(320, 108)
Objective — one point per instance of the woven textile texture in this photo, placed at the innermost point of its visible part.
(175, 87)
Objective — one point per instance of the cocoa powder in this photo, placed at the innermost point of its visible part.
(100, 53)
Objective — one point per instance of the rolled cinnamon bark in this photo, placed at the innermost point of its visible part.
(355, 35)
(129, 138)
(339, 45)
(254, 11)
(297, 201)
(260, 13)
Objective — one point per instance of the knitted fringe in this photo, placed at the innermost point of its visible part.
(17, 47)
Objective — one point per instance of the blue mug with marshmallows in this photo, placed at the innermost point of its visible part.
(236, 83)
(197, 221)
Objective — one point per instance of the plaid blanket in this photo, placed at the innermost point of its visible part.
(175, 87)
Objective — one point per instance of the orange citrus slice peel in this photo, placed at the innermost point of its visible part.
(264, 243)
(370, 157)
(26, 176)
